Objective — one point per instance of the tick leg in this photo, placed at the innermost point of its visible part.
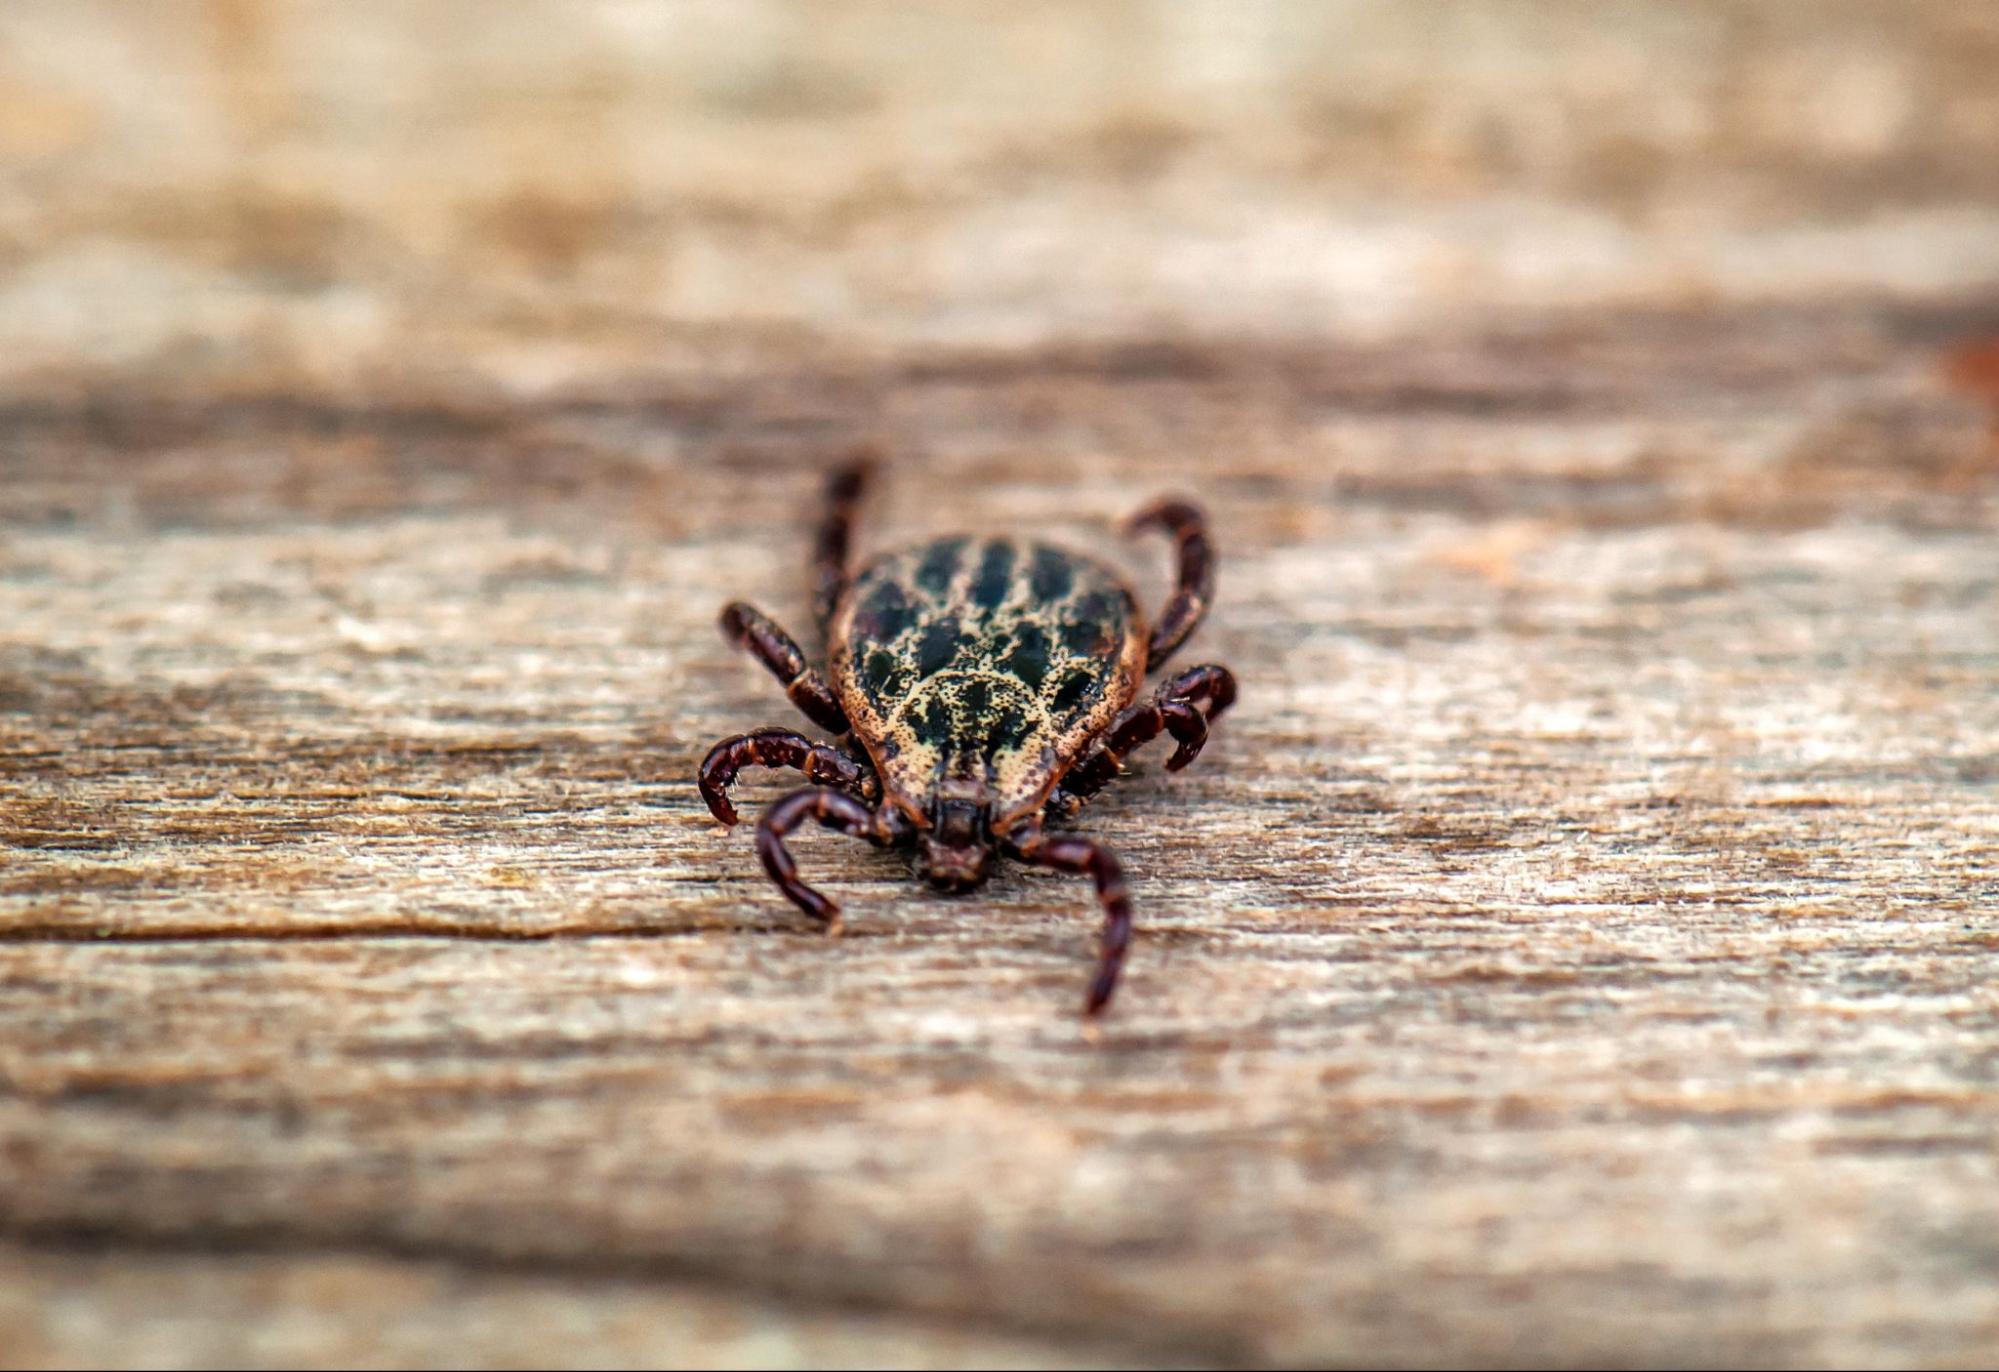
(835, 810)
(1210, 682)
(1173, 710)
(1195, 584)
(779, 748)
(1135, 728)
(1074, 853)
(748, 627)
(844, 490)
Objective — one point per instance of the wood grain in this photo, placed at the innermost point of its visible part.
(1575, 948)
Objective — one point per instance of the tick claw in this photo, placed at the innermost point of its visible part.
(836, 926)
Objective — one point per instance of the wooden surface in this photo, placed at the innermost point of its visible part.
(1576, 948)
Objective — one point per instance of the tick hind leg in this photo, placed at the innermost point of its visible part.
(1194, 584)
(748, 627)
(1074, 853)
(834, 809)
(832, 551)
(1174, 709)
(780, 748)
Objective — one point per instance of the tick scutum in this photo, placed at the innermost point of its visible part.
(1007, 656)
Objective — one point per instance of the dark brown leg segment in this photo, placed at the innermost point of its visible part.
(1195, 586)
(1136, 728)
(835, 810)
(1172, 710)
(1073, 853)
(748, 627)
(779, 748)
(844, 490)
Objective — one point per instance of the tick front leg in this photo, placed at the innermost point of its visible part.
(748, 627)
(1074, 853)
(1194, 588)
(844, 490)
(835, 810)
(1173, 709)
(779, 748)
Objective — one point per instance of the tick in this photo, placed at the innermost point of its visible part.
(982, 689)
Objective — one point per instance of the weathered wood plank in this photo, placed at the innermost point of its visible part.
(1580, 941)
(1576, 948)
(65, 1309)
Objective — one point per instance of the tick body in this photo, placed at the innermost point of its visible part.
(982, 689)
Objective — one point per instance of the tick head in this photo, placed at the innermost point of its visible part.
(956, 853)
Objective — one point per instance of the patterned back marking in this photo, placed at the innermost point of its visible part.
(984, 661)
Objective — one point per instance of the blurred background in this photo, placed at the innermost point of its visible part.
(1574, 950)
(384, 197)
